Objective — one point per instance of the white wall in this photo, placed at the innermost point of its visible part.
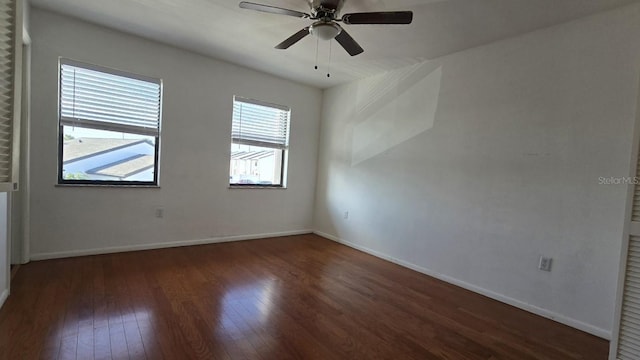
(195, 146)
(471, 166)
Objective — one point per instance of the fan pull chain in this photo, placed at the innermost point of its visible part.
(317, 45)
(329, 64)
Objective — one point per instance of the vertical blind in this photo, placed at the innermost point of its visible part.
(261, 124)
(107, 99)
(7, 86)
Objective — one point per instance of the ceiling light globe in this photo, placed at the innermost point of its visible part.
(325, 30)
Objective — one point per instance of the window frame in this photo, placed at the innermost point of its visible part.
(155, 183)
(284, 163)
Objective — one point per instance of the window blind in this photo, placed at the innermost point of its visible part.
(7, 86)
(260, 124)
(106, 99)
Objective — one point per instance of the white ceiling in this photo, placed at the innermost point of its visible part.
(219, 28)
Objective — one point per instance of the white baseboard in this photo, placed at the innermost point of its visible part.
(117, 249)
(594, 330)
(3, 297)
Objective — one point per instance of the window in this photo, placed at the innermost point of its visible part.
(259, 144)
(109, 126)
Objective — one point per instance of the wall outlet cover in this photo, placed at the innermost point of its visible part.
(545, 263)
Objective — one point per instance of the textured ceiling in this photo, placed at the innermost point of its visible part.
(219, 28)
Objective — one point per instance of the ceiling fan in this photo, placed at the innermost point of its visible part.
(326, 27)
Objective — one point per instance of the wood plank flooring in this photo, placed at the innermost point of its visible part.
(299, 297)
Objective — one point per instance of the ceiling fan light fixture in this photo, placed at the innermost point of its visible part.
(325, 30)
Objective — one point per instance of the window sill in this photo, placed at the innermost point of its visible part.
(107, 186)
(256, 187)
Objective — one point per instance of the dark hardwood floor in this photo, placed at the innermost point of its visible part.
(299, 297)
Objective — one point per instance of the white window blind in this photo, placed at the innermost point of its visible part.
(8, 83)
(258, 123)
(106, 99)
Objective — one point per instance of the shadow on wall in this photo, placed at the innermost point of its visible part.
(394, 107)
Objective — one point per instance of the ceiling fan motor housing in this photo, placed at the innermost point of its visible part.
(332, 6)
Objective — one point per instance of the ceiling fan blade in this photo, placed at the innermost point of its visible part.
(348, 43)
(293, 39)
(395, 17)
(272, 9)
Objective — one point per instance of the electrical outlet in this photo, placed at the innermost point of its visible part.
(346, 215)
(159, 213)
(545, 263)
